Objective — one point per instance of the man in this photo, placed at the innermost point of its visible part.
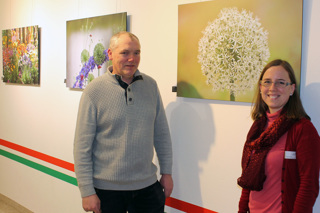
(121, 120)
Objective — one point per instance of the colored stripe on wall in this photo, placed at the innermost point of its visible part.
(40, 168)
(186, 207)
(171, 202)
(39, 155)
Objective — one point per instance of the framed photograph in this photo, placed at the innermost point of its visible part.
(87, 45)
(224, 45)
(20, 53)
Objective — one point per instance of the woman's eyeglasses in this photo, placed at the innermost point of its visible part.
(278, 84)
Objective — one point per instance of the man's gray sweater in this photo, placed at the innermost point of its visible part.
(116, 135)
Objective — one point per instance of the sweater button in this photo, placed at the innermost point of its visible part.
(130, 99)
(129, 90)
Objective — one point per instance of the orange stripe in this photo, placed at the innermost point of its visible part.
(39, 155)
(186, 207)
(171, 202)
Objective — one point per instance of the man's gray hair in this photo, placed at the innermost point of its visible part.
(114, 39)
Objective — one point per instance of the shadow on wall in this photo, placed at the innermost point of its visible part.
(192, 132)
(316, 207)
(311, 103)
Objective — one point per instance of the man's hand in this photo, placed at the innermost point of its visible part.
(91, 203)
(167, 184)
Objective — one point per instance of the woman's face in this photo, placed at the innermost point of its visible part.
(276, 88)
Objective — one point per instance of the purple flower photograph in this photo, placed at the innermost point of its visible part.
(87, 45)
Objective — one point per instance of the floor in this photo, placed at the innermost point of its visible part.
(9, 206)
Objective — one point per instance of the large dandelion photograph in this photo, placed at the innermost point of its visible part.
(224, 45)
(87, 45)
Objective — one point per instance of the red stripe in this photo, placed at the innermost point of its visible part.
(186, 207)
(39, 155)
(171, 202)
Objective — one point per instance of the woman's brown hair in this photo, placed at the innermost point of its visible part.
(293, 107)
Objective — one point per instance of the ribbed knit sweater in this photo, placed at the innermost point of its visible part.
(116, 135)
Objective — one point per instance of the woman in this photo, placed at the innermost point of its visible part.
(281, 156)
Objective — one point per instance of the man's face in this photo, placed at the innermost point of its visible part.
(125, 57)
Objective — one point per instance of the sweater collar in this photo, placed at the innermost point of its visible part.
(137, 76)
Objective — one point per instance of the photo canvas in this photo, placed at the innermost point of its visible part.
(224, 45)
(87, 45)
(20, 53)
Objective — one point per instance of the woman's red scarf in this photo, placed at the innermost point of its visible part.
(256, 148)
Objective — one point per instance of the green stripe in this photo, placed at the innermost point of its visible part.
(40, 167)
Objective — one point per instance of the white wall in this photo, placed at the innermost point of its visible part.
(208, 135)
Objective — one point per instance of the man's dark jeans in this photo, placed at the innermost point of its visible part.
(147, 200)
